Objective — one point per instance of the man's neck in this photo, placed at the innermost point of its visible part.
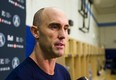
(47, 65)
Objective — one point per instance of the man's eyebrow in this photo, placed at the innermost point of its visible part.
(55, 23)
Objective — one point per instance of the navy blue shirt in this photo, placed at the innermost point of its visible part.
(28, 70)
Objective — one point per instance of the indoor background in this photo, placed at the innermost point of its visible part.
(91, 47)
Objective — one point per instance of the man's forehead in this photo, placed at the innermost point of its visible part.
(54, 14)
(53, 11)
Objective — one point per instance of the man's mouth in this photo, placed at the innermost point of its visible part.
(59, 45)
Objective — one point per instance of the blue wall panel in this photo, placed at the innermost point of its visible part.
(30, 41)
(110, 53)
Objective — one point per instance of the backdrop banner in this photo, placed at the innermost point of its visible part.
(12, 35)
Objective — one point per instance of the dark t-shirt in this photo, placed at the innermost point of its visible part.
(28, 70)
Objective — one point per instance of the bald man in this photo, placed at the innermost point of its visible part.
(50, 29)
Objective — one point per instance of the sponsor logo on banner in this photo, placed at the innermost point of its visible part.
(4, 68)
(5, 21)
(10, 37)
(5, 15)
(15, 45)
(16, 20)
(16, 38)
(4, 61)
(15, 62)
(18, 3)
(17, 41)
(2, 40)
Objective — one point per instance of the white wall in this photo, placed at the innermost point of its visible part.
(108, 36)
(106, 18)
(107, 33)
(71, 9)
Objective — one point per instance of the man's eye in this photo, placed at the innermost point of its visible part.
(54, 26)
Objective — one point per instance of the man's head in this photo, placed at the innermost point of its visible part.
(37, 20)
(50, 28)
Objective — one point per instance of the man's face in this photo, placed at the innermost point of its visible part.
(53, 34)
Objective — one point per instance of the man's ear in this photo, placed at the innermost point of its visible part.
(35, 32)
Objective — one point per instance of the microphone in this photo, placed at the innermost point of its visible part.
(82, 78)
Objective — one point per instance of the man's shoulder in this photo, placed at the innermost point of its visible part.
(25, 65)
(62, 72)
(23, 70)
(61, 67)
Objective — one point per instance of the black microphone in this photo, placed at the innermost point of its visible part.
(82, 78)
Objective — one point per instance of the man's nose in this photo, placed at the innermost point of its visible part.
(62, 34)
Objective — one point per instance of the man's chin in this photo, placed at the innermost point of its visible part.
(60, 54)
